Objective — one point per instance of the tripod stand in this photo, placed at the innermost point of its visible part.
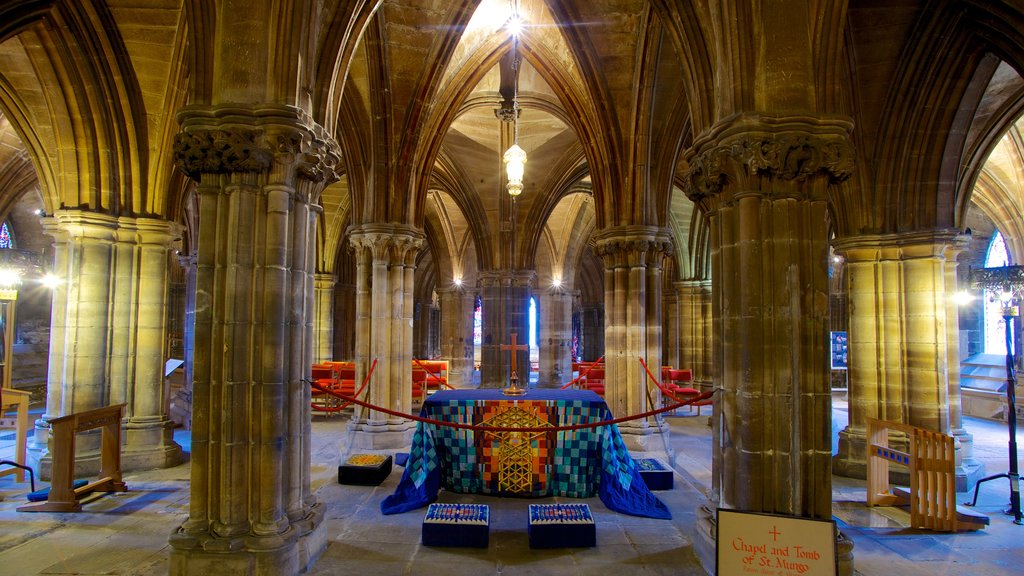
(1009, 312)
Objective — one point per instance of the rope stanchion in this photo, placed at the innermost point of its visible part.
(477, 428)
(346, 404)
(443, 381)
(583, 375)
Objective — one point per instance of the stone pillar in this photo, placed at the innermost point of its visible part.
(345, 321)
(385, 262)
(505, 303)
(426, 327)
(592, 317)
(109, 335)
(261, 170)
(141, 300)
(555, 338)
(671, 329)
(902, 340)
(766, 195)
(323, 326)
(695, 328)
(457, 334)
(632, 258)
(181, 402)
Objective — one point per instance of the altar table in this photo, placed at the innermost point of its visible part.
(573, 463)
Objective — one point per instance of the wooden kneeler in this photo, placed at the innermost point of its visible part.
(931, 462)
(63, 495)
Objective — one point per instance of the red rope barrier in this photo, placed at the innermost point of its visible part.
(440, 378)
(584, 375)
(477, 428)
(356, 395)
(664, 389)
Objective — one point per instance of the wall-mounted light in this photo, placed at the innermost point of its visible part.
(9, 278)
(963, 298)
(51, 280)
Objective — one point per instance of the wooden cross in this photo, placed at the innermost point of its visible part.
(512, 348)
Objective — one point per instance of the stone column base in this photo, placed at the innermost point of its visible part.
(390, 436)
(851, 461)
(143, 449)
(640, 436)
(294, 552)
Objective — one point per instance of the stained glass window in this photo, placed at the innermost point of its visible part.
(5, 237)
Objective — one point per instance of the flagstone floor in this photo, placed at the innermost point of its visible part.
(126, 533)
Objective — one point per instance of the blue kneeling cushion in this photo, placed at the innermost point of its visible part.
(43, 494)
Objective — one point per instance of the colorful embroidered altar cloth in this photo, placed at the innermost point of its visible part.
(575, 463)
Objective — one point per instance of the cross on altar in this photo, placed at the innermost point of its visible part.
(512, 350)
(513, 386)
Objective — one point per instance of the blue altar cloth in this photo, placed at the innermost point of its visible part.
(575, 463)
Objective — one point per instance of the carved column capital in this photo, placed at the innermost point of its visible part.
(944, 244)
(633, 245)
(393, 243)
(507, 278)
(744, 151)
(261, 138)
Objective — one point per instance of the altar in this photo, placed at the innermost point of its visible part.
(576, 463)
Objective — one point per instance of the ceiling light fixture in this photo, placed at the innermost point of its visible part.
(515, 157)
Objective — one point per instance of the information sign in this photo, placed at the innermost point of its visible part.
(772, 545)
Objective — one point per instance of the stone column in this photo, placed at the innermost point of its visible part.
(592, 317)
(902, 339)
(323, 327)
(141, 300)
(261, 169)
(344, 321)
(555, 338)
(182, 402)
(671, 329)
(385, 262)
(505, 303)
(765, 185)
(632, 258)
(695, 328)
(457, 334)
(109, 335)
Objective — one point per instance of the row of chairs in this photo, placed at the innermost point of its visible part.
(679, 382)
(340, 377)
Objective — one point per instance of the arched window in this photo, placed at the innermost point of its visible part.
(5, 237)
(995, 326)
(478, 331)
(534, 350)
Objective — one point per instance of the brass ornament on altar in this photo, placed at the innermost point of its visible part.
(513, 388)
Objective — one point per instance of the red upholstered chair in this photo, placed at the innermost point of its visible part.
(326, 376)
(595, 379)
(677, 384)
(419, 384)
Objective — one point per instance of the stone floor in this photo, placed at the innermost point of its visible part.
(126, 533)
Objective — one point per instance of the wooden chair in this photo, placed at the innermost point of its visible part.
(17, 399)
